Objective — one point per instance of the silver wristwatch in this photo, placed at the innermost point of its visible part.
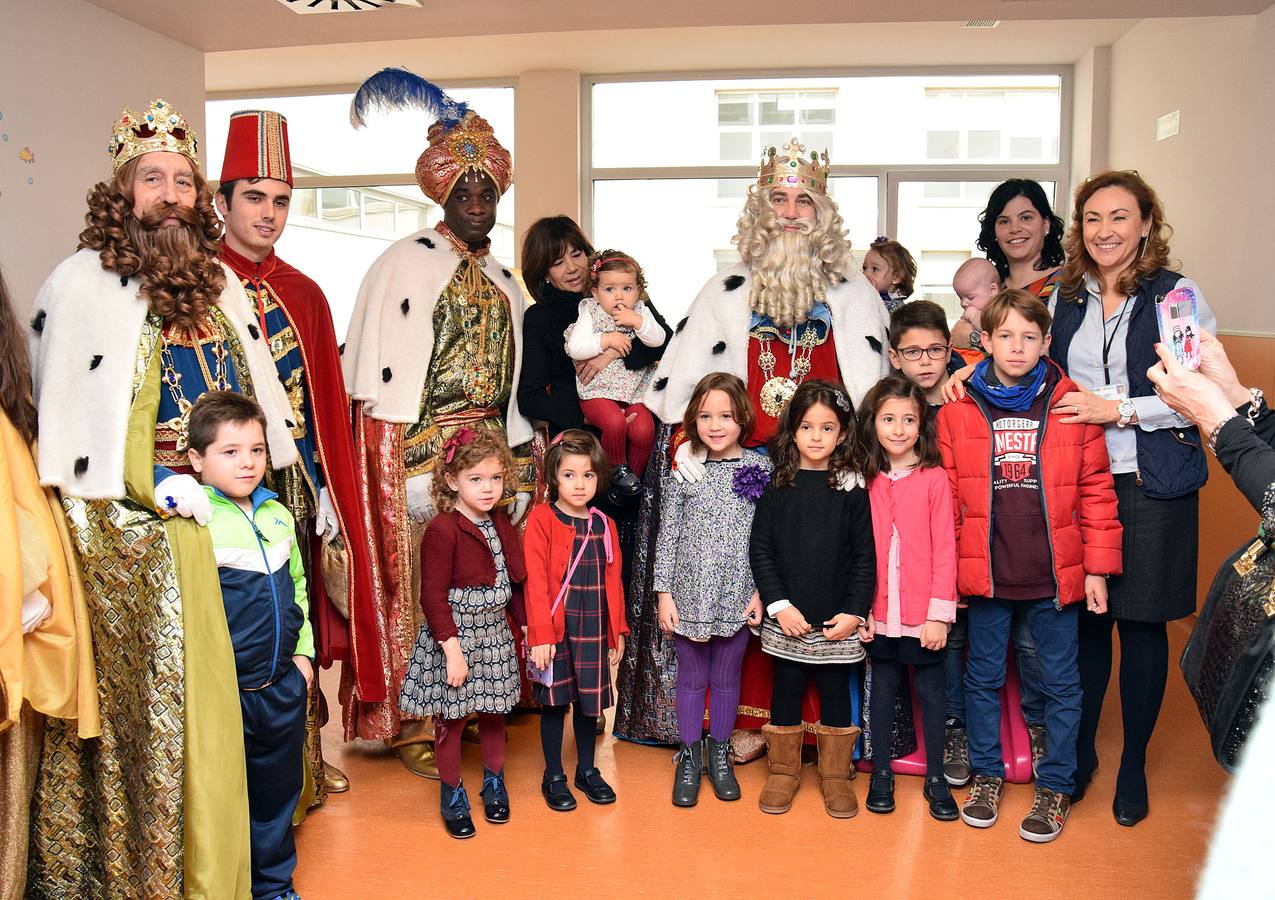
(1127, 411)
(976, 339)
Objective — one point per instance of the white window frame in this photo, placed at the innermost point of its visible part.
(888, 176)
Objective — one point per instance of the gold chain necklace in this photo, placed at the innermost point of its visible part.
(777, 391)
(173, 379)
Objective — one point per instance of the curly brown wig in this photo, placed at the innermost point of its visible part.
(1153, 254)
(482, 445)
(15, 369)
(847, 457)
(179, 268)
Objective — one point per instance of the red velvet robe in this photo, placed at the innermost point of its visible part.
(306, 308)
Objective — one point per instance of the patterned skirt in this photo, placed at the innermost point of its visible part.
(812, 648)
(493, 684)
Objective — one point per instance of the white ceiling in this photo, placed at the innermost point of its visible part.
(217, 25)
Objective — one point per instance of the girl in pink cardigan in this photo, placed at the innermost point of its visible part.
(915, 601)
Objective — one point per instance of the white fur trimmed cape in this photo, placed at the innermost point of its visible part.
(85, 330)
(391, 335)
(714, 338)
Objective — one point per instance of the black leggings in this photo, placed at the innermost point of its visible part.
(832, 681)
(552, 719)
(931, 690)
(1144, 669)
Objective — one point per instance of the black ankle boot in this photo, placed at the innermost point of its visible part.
(721, 769)
(454, 805)
(881, 792)
(495, 797)
(690, 769)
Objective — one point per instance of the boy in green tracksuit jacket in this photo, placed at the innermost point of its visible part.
(264, 593)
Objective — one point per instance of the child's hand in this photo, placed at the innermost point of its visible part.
(1096, 593)
(542, 655)
(307, 669)
(621, 343)
(843, 626)
(668, 617)
(753, 612)
(457, 667)
(792, 622)
(954, 389)
(616, 653)
(868, 630)
(630, 317)
(934, 635)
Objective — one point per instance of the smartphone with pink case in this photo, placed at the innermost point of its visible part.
(1179, 315)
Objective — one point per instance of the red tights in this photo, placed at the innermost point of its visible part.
(447, 732)
(628, 430)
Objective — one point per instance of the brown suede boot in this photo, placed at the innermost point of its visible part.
(783, 754)
(836, 758)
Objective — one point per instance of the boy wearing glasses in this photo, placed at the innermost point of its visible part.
(920, 347)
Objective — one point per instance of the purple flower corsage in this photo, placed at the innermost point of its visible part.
(750, 481)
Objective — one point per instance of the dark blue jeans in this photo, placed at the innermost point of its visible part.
(1054, 632)
(1024, 657)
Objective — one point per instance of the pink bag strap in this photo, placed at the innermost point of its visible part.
(571, 570)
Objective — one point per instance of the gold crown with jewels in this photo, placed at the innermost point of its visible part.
(789, 166)
(159, 128)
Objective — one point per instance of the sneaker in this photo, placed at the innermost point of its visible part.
(1045, 820)
(956, 757)
(1036, 737)
(980, 808)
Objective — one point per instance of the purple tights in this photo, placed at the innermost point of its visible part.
(702, 665)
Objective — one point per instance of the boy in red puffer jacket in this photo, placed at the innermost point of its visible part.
(1036, 525)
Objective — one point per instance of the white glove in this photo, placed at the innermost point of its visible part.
(326, 525)
(848, 481)
(36, 610)
(688, 465)
(184, 496)
(420, 499)
(522, 500)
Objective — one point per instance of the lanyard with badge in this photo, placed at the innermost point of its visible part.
(1107, 390)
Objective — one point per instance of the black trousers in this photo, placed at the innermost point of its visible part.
(930, 681)
(274, 748)
(832, 680)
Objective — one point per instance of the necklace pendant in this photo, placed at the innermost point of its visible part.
(775, 394)
(766, 361)
(800, 369)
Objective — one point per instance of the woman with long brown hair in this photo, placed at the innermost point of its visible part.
(1104, 336)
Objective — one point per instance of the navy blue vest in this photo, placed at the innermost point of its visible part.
(1171, 461)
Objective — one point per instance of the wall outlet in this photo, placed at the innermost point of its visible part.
(1167, 125)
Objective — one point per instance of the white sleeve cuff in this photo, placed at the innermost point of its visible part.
(777, 607)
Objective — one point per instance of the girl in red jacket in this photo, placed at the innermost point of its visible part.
(575, 612)
(464, 660)
(1036, 528)
(915, 600)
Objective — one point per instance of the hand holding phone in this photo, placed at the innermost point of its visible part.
(1178, 313)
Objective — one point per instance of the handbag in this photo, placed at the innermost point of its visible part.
(545, 676)
(1230, 655)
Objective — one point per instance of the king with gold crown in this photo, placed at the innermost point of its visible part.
(126, 334)
(795, 307)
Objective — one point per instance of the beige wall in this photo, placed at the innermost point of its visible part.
(1214, 177)
(68, 69)
(547, 134)
(1091, 111)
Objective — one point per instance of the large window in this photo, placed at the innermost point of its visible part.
(914, 156)
(354, 191)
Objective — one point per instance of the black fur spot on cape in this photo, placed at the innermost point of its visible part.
(97, 361)
(81, 466)
(719, 347)
(682, 324)
(405, 305)
(290, 423)
(123, 281)
(341, 350)
(732, 282)
(842, 279)
(426, 241)
(505, 272)
(37, 323)
(386, 374)
(254, 331)
(660, 384)
(874, 343)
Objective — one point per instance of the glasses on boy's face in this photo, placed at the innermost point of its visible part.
(912, 354)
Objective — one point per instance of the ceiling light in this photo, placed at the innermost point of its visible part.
(315, 7)
(981, 23)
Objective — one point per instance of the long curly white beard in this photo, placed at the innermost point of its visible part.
(788, 280)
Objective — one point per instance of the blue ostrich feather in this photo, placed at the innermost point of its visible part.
(400, 89)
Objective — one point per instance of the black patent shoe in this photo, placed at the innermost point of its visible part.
(495, 797)
(721, 769)
(1128, 814)
(590, 781)
(690, 770)
(881, 792)
(556, 793)
(454, 805)
(625, 485)
(939, 796)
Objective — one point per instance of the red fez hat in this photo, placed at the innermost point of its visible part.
(257, 147)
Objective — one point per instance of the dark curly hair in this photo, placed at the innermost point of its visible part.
(1051, 254)
(547, 241)
(896, 387)
(179, 268)
(15, 369)
(847, 456)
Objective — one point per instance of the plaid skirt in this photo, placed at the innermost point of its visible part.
(581, 673)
